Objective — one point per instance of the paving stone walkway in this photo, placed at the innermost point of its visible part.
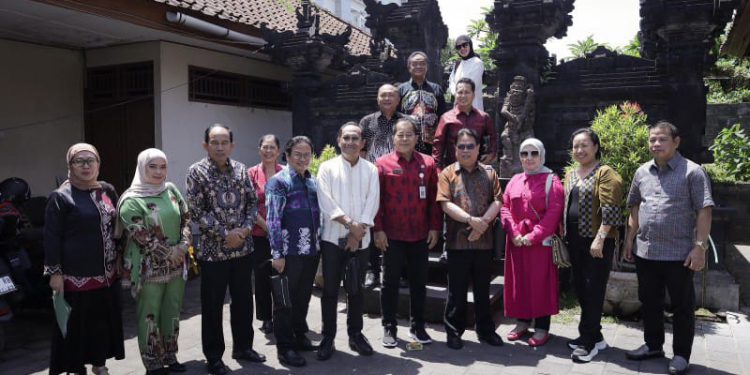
(719, 348)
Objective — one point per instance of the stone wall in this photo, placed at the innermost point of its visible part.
(720, 116)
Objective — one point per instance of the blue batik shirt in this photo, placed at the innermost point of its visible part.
(293, 216)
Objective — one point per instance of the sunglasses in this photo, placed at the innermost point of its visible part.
(464, 147)
(462, 45)
(526, 154)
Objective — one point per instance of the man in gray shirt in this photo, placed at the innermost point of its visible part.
(670, 219)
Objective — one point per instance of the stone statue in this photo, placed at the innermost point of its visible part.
(518, 111)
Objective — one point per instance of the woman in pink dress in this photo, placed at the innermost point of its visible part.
(529, 216)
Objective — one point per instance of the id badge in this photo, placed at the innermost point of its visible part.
(422, 192)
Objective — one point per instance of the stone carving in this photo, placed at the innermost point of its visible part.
(519, 112)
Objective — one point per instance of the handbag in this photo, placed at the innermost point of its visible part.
(498, 236)
(280, 292)
(560, 253)
(353, 281)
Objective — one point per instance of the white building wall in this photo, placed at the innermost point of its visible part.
(41, 111)
(183, 122)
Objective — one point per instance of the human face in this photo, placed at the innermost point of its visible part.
(584, 149)
(464, 96)
(300, 157)
(418, 67)
(388, 99)
(662, 145)
(268, 151)
(156, 171)
(351, 142)
(219, 147)
(405, 138)
(467, 151)
(530, 158)
(84, 166)
(463, 49)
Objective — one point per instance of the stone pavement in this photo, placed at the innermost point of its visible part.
(719, 348)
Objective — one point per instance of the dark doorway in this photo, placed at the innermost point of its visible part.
(120, 117)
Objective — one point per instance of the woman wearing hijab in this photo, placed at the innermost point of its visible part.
(269, 150)
(81, 259)
(156, 219)
(469, 66)
(530, 215)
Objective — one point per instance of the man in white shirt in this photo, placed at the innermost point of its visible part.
(348, 195)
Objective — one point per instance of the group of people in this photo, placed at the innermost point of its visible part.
(380, 190)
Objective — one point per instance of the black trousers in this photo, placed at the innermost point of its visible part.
(653, 278)
(374, 262)
(334, 265)
(542, 322)
(464, 267)
(590, 276)
(262, 265)
(291, 323)
(414, 256)
(215, 278)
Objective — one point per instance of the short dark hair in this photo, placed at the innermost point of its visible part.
(408, 120)
(217, 125)
(350, 123)
(295, 141)
(466, 132)
(673, 131)
(467, 81)
(592, 136)
(269, 136)
(415, 53)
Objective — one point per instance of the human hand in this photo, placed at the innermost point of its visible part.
(358, 230)
(234, 239)
(177, 254)
(627, 251)
(381, 240)
(278, 265)
(474, 235)
(517, 241)
(433, 237)
(696, 260)
(597, 247)
(477, 224)
(352, 243)
(56, 283)
(525, 241)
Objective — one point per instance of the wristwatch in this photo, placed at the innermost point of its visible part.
(702, 244)
(348, 224)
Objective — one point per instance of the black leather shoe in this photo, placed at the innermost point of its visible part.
(643, 352)
(455, 342)
(326, 349)
(304, 344)
(360, 344)
(491, 338)
(217, 368)
(267, 327)
(249, 355)
(291, 358)
(177, 367)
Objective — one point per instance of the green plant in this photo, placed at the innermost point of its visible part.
(585, 46)
(480, 30)
(718, 174)
(728, 80)
(633, 48)
(623, 133)
(329, 152)
(731, 150)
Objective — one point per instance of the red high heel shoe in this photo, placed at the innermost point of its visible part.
(534, 342)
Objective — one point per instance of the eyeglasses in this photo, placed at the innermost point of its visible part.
(217, 143)
(81, 162)
(462, 45)
(301, 156)
(351, 138)
(525, 154)
(468, 147)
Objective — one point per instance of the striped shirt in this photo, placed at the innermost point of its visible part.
(669, 199)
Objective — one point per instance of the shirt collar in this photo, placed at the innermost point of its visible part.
(212, 165)
(672, 163)
(293, 173)
(460, 169)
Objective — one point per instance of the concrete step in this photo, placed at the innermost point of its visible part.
(435, 301)
(737, 262)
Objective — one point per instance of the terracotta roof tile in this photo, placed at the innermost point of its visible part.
(279, 14)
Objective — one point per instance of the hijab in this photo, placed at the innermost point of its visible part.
(75, 181)
(539, 146)
(139, 187)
